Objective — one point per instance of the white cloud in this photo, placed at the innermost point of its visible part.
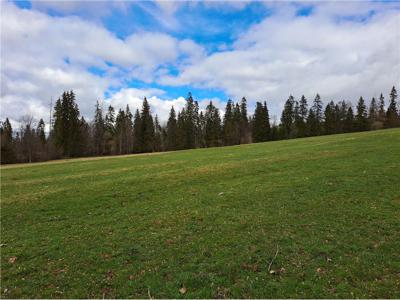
(42, 56)
(338, 57)
(285, 54)
(134, 98)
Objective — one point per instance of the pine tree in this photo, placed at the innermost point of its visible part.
(212, 126)
(40, 132)
(381, 111)
(98, 130)
(120, 131)
(302, 117)
(317, 110)
(172, 130)
(329, 124)
(8, 154)
(158, 143)
(109, 136)
(349, 121)
(84, 138)
(190, 117)
(67, 125)
(361, 116)
(312, 123)
(129, 130)
(137, 133)
(147, 128)
(244, 123)
(181, 130)
(288, 116)
(260, 123)
(373, 114)
(229, 125)
(392, 115)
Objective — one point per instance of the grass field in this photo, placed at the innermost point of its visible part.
(314, 217)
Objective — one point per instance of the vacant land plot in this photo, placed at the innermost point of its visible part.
(314, 217)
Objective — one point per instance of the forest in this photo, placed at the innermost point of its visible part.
(125, 132)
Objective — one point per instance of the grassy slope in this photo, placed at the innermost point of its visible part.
(211, 220)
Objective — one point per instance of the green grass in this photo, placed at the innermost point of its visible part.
(209, 220)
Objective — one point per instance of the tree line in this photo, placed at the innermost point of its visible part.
(124, 132)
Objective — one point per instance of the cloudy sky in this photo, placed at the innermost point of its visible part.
(119, 52)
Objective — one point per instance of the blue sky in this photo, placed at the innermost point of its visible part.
(118, 52)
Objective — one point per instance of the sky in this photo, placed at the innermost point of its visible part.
(118, 52)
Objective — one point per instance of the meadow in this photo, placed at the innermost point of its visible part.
(313, 217)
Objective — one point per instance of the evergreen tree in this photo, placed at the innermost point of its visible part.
(302, 117)
(331, 118)
(202, 130)
(212, 126)
(172, 130)
(84, 138)
(373, 111)
(312, 123)
(392, 115)
(190, 117)
(244, 123)
(109, 135)
(98, 130)
(373, 114)
(317, 111)
(260, 123)
(288, 116)
(158, 143)
(381, 111)
(229, 124)
(137, 133)
(120, 131)
(349, 121)
(40, 132)
(67, 125)
(181, 130)
(361, 116)
(8, 154)
(129, 130)
(147, 128)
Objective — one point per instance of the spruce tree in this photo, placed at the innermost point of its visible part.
(147, 128)
(302, 117)
(158, 143)
(287, 117)
(237, 118)
(361, 116)
(349, 121)
(212, 126)
(120, 132)
(172, 130)
(229, 125)
(381, 110)
(373, 114)
(98, 130)
(329, 124)
(8, 154)
(190, 121)
(67, 125)
(137, 133)
(392, 115)
(40, 132)
(312, 123)
(109, 136)
(260, 123)
(317, 110)
(181, 130)
(244, 123)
